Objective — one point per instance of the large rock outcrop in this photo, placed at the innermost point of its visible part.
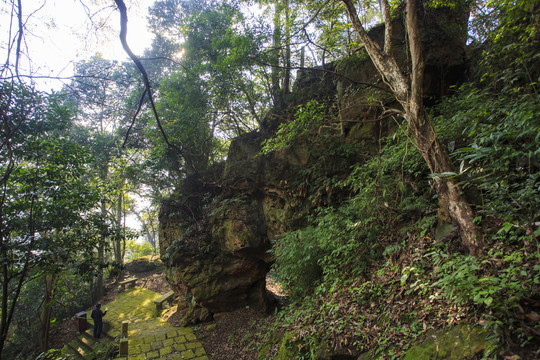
(215, 236)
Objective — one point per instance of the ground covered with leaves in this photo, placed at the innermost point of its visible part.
(411, 292)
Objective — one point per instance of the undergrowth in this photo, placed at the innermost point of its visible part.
(371, 275)
(376, 274)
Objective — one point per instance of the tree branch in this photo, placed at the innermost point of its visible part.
(326, 71)
(135, 116)
(19, 38)
(415, 49)
(385, 64)
(123, 34)
(387, 27)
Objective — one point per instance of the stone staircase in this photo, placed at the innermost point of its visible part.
(149, 336)
(85, 346)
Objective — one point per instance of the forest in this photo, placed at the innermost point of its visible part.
(378, 159)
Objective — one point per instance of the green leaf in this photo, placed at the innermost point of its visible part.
(404, 278)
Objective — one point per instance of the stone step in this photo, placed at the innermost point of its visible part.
(87, 338)
(72, 353)
(85, 351)
(79, 352)
(84, 345)
(90, 332)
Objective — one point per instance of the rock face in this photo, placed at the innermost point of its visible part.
(215, 235)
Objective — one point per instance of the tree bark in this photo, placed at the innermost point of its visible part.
(409, 93)
(276, 56)
(150, 236)
(118, 240)
(287, 75)
(123, 39)
(100, 283)
(45, 316)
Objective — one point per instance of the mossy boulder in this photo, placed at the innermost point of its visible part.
(144, 264)
(460, 342)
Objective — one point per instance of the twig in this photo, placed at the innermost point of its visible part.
(135, 116)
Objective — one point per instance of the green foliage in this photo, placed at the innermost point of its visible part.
(296, 260)
(184, 108)
(71, 295)
(49, 200)
(374, 255)
(134, 250)
(105, 88)
(498, 284)
(306, 118)
(343, 240)
(208, 99)
(334, 34)
(511, 56)
(487, 282)
(498, 149)
(453, 4)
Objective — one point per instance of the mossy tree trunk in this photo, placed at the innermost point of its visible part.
(408, 90)
(46, 308)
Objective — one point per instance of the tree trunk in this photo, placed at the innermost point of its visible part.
(4, 325)
(124, 235)
(450, 193)
(287, 75)
(149, 235)
(100, 283)
(118, 240)
(45, 316)
(276, 44)
(409, 93)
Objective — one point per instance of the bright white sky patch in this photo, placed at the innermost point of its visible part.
(61, 32)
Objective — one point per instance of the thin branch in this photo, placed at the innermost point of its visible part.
(311, 20)
(123, 34)
(19, 38)
(316, 45)
(415, 49)
(9, 43)
(385, 64)
(135, 116)
(172, 61)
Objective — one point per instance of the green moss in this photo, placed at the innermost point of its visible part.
(188, 354)
(286, 351)
(459, 342)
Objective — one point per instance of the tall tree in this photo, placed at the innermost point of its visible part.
(280, 52)
(101, 91)
(210, 94)
(408, 91)
(45, 190)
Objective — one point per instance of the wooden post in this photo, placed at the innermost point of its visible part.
(123, 347)
(124, 329)
(124, 339)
